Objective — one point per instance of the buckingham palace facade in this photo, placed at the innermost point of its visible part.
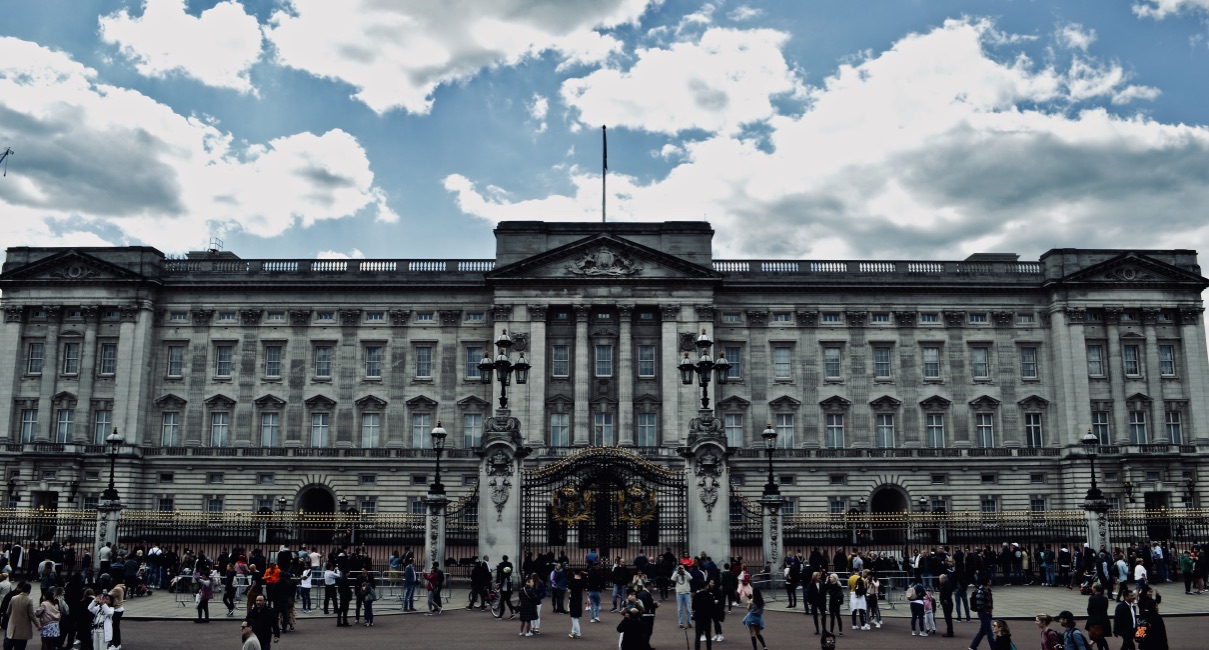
(959, 385)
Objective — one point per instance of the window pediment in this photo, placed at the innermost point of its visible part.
(785, 403)
(935, 403)
(171, 401)
(422, 403)
(269, 402)
(219, 401)
(64, 398)
(1034, 402)
(985, 403)
(886, 403)
(371, 402)
(320, 402)
(473, 403)
(835, 404)
(734, 404)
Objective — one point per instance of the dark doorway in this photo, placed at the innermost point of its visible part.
(316, 505)
(887, 529)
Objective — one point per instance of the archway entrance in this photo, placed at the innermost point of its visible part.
(317, 505)
(888, 525)
(605, 498)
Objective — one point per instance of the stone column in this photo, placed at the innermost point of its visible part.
(1097, 523)
(1192, 336)
(50, 374)
(535, 433)
(1115, 368)
(706, 472)
(500, 516)
(671, 355)
(584, 365)
(88, 357)
(773, 543)
(625, 376)
(434, 530)
(108, 516)
(10, 339)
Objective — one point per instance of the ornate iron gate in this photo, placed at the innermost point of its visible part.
(605, 498)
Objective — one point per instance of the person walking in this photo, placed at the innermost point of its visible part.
(1072, 637)
(754, 620)
(704, 605)
(1049, 638)
(204, 593)
(1003, 636)
(506, 584)
(1099, 626)
(1155, 633)
(344, 588)
(575, 590)
(857, 591)
(595, 585)
(946, 602)
(1125, 620)
(49, 615)
(250, 642)
(433, 581)
(835, 600)
(815, 596)
(264, 622)
(984, 606)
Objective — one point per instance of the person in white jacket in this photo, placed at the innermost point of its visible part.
(102, 621)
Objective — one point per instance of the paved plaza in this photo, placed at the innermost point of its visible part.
(160, 622)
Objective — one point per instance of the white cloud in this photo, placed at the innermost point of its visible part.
(932, 149)
(354, 254)
(1075, 36)
(110, 163)
(538, 108)
(396, 54)
(744, 12)
(218, 48)
(719, 83)
(1160, 9)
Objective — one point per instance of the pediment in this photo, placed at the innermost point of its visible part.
(73, 266)
(647, 401)
(1139, 401)
(320, 402)
(371, 403)
(785, 403)
(473, 403)
(269, 402)
(603, 257)
(219, 401)
(1132, 268)
(985, 402)
(169, 400)
(885, 403)
(935, 403)
(64, 397)
(1033, 402)
(734, 403)
(835, 403)
(422, 403)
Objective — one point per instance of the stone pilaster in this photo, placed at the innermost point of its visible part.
(773, 542)
(434, 530)
(584, 364)
(672, 419)
(500, 481)
(534, 433)
(706, 471)
(625, 376)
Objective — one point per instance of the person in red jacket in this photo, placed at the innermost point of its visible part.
(435, 581)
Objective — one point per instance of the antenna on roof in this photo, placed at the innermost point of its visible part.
(8, 151)
(215, 245)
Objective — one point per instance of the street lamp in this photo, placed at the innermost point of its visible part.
(503, 367)
(281, 501)
(704, 367)
(110, 495)
(1129, 490)
(769, 435)
(863, 502)
(923, 505)
(1091, 443)
(438, 444)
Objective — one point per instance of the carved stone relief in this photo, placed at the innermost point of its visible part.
(604, 261)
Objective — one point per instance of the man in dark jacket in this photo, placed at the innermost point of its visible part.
(946, 602)
(264, 622)
(1125, 620)
(703, 613)
(648, 615)
(280, 593)
(480, 581)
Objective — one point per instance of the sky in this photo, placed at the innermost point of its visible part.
(405, 129)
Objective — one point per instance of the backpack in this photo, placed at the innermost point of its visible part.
(980, 598)
(860, 587)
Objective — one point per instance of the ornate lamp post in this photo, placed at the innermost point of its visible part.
(769, 435)
(110, 495)
(438, 445)
(503, 367)
(1094, 504)
(704, 367)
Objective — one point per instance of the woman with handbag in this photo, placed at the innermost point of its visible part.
(1099, 625)
(368, 595)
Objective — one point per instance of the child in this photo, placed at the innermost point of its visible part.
(929, 612)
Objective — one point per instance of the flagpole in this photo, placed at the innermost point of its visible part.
(604, 158)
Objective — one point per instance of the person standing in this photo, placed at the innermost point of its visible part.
(102, 621)
(433, 580)
(946, 602)
(264, 622)
(816, 599)
(49, 616)
(250, 642)
(1140, 576)
(834, 623)
(558, 589)
(984, 605)
(304, 589)
(683, 585)
(575, 588)
(704, 605)
(528, 607)
(204, 593)
(915, 596)
(345, 589)
(117, 599)
(411, 578)
(1099, 626)
(369, 595)
(506, 585)
(754, 620)
(595, 584)
(793, 575)
(857, 592)
(1125, 620)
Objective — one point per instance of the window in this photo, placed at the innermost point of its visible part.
(885, 430)
(421, 429)
(789, 507)
(423, 362)
(107, 364)
(370, 506)
(71, 358)
(1032, 430)
(373, 361)
(1028, 363)
(214, 505)
(1175, 427)
(275, 316)
(646, 361)
(323, 361)
(646, 430)
(34, 355)
(1137, 427)
(176, 361)
(325, 315)
(1025, 319)
(474, 355)
(472, 430)
(732, 317)
(980, 362)
(270, 429)
(1099, 426)
(1153, 476)
(29, 424)
(978, 318)
(418, 507)
(784, 429)
(222, 360)
(831, 362)
(604, 361)
(734, 429)
(881, 362)
(988, 505)
(375, 317)
(832, 317)
(837, 506)
(226, 316)
(102, 424)
(836, 479)
(320, 423)
(272, 360)
(475, 317)
(1091, 316)
(935, 430)
(560, 361)
(782, 317)
(1167, 360)
(371, 430)
(1132, 359)
(602, 430)
(178, 316)
(419, 479)
(220, 428)
(560, 428)
(170, 429)
(835, 430)
(368, 479)
(1095, 360)
(165, 504)
(1036, 478)
(985, 425)
(939, 479)
(780, 362)
(931, 362)
(879, 317)
(63, 420)
(1036, 504)
(167, 477)
(424, 317)
(734, 356)
(929, 317)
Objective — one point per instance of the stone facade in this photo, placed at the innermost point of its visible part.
(965, 383)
